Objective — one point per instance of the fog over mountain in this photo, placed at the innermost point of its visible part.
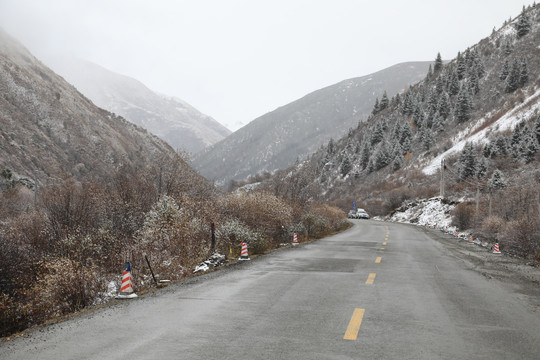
(170, 118)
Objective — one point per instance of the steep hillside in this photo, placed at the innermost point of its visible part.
(277, 139)
(480, 113)
(48, 128)
(172, 119)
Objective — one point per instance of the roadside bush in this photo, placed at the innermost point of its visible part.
(522, 237)
(261, 211)
(232, 232)
(61, 286)
(173, 237)
(463, 216)
(491, 227)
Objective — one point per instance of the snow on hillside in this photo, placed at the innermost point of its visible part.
(507, 122)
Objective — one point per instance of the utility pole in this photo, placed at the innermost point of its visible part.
(490, 198)
(477, 198)
(443, 166)
(35, 190)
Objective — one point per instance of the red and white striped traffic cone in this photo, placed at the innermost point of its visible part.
(496, 249)
(470, 240)
(295, 240)
(126, 289)
(244, 253)
(457, 234)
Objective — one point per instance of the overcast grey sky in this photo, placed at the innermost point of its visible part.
(238, 59)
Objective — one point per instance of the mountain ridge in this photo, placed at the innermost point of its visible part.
(276, 139)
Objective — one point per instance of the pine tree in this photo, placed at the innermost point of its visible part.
(516, 142)
(376, 107)
(377, 134)
(382, 156)
(461, 66)
(438, 63)
(474, 83)
(467, 162)
(397, 163)
(364, 157)
(524, 24)
(488, 150)
(426, 137)
(463, 106)
(480, 69)
(430, 72)
(512, 80)
(331, 147)
(529, 147)
(496, 182)
(438, 125)
(444, 105)
(453, 85)
(507, 48)
(432, 102)
(481, 168)
(408, 106)
(384, 102)
(346, 165)
(439, 84)
(396, 132)
(406, 137)
(523, 73)
(418, 115)
(501, 146)
(504, 70)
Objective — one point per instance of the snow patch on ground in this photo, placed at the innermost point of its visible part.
(212, 262)
(427, 212)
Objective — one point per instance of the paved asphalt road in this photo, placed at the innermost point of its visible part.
(377, 291)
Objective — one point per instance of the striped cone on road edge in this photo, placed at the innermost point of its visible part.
(470, 239)
(126, 289)
(496, 249)
(295, 240)
(244, 253)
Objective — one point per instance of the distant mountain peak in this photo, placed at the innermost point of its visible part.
(168, 117)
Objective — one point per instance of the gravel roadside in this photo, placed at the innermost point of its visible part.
(522, 276)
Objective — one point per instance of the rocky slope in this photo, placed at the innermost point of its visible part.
(49, 129)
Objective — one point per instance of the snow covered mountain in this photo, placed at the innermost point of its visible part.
(170, 118)
(49, 129)
(276, 139)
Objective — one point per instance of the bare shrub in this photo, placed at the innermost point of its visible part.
(492, 226)
(261, 211)
(463, 216)
(522, 237)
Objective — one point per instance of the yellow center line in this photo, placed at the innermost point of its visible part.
(354, 324)
(384, 243)
(378, 260)
(370, 279)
